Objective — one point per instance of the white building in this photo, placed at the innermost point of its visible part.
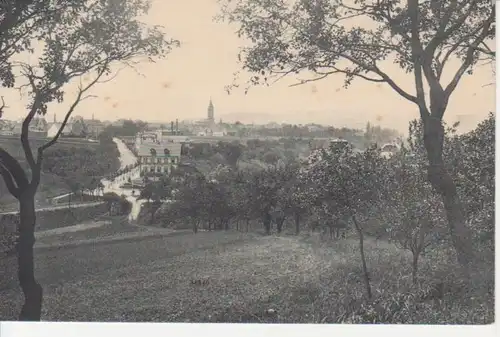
(54, 129)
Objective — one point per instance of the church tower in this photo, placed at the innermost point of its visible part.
(210, 111)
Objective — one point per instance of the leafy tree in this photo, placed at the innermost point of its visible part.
(231, 152)
(325, 38)
(117, 205)
(471, 159)
(270, 158)
(294, 197)
(90, 39)
(190, 202)
(352, 184)
(264, 193)
(156, 192)
(412, 209)
(240, 194)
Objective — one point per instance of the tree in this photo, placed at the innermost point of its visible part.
(270, 158)
(90, 39)
(352, 184)
(231, 152)
(325, 38)
(117, 205)
(295, 196)
(471, 160)
(191, 201)
(412, 209)
(156, 192)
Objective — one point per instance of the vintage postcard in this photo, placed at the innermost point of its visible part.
(323, 162)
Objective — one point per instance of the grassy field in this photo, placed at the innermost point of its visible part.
(12, 145)
(51, 185)
(236, 277)
(109, 228)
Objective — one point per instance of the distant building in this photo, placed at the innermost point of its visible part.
(6, 132)
(389, 150)
(94, 127)
(208, 126)
(37, 128)
(75, 127)
(210, 112)
(54, 129)
(314, 128)
(159, 158)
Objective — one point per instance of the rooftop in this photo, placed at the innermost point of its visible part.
(146, 149)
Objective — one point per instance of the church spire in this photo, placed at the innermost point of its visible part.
(210, 110)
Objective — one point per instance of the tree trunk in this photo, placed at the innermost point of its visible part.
(414, 265)
(248, 224)
(152, 219)
(363, 259)
(297, 224)
(32, 307)
(279, 224)
(441, 180)
(267, 223)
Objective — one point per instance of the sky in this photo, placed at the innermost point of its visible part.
(181, 85)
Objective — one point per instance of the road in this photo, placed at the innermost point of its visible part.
(127, 158)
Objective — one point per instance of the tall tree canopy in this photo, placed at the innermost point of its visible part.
(354, 38)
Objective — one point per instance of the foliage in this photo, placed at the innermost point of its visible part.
(328, 37)
(413, 211)
(270, 158)
(472, 161)
(355, 39)
(117, 205)
(128, 129)
(83, 163)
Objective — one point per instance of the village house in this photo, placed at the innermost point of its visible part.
(94, 127)
(75, 127)
(159, 158)
(37, 128)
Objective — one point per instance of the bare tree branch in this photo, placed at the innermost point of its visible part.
(442, 34)
(486, 27)
(2, 107)
(77, 100)
(417, 55)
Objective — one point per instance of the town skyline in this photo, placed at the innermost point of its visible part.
(181, 85)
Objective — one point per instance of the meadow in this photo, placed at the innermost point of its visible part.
(247, 277)
(57, 166)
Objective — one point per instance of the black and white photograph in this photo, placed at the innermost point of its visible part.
(270, 162)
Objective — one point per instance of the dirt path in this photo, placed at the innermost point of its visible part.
(71, 229)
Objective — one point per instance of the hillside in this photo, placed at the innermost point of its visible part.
(68, 157)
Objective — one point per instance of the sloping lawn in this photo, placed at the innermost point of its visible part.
(233, 277)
